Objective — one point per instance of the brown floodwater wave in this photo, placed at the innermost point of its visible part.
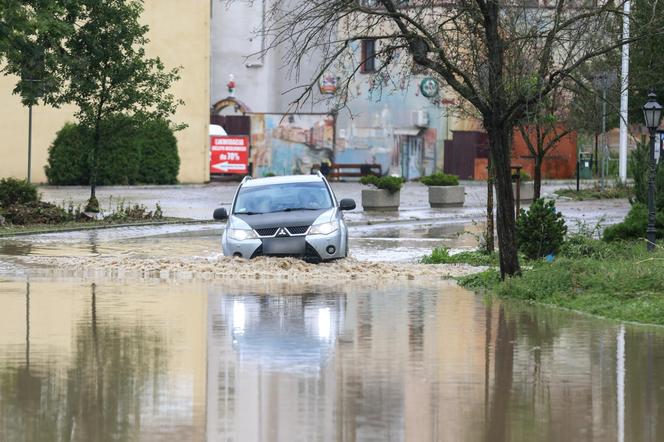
(223, 268)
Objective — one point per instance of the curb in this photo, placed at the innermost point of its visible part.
(103, 227)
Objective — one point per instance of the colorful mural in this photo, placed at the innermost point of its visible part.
(398, 128)
(285, 144)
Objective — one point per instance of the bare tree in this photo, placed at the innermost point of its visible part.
(544, 127)
(500, 57)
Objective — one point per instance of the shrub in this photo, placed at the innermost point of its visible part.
(13, 191)
(635, 225)
(36, 213)
(390, 183)
(540, 230)
(524, 176)
(160, 161)
(132, 151)
(68, 157)
(136, 212)
(441, 255)
(119, 155)
(638, 161)
(579, 246)
(440, 179)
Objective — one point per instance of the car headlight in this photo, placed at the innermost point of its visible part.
(324, 229)
(241, 234)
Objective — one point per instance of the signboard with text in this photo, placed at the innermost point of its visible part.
(229, 154)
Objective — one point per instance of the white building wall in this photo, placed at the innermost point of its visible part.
(262, 82)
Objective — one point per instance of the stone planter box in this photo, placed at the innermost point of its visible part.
(380, 199)
(446, 196)
(527, 191)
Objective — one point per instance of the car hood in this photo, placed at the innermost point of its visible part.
(281, 219)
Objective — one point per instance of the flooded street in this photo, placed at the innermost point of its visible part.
(147, 334)
(275, 361)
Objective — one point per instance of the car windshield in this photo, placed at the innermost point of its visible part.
(282, 198)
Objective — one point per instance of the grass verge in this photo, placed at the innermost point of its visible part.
(441, 255)
(595, 193)
(618, 281)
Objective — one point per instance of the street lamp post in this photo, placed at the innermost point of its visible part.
(35, 94)
(652, 113)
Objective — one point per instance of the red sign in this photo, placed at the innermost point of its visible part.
(229, 154)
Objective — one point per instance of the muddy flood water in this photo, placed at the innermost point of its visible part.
(92, 353)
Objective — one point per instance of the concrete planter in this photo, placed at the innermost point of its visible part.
(380, 199)
(527, 190)
(446, 196)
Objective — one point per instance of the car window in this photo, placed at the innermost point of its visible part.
(283, 197)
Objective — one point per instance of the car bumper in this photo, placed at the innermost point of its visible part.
(309, 247)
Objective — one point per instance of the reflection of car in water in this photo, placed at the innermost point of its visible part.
(284, 333)
(286, 216)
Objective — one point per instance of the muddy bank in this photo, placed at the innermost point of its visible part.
(222, 268)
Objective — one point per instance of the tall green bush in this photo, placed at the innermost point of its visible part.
(160, 161)
(638, 161)
(67, 157)
(14, 191)
(540, 230)
(132, 151)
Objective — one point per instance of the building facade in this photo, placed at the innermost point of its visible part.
(180, 36)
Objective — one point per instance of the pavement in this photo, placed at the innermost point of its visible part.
(199, 201)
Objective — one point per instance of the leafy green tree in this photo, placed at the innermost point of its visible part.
(646, 63)
(90, 53)
(109, 73)
(32, 33)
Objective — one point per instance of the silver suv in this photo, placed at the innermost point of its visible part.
(286, 216)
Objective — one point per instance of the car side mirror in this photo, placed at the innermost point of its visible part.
(220, 214)
(347, 204)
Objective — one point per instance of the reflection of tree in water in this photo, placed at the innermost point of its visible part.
(498, 413)
(114, 370)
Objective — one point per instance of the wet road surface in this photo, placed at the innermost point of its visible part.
(271, 361)
(91, 358)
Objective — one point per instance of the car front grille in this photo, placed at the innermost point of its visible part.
(298, 230)
(270, 231)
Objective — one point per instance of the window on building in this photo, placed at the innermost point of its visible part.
(368, 56)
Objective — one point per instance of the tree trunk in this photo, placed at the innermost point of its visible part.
(490, 247)
(537, 179)
(93, 203)
(500, 151)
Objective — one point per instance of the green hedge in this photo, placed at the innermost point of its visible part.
(132, 152)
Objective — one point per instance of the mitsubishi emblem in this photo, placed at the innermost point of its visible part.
(282, 232)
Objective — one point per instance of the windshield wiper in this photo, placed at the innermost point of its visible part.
(248, 213)
(290, 209)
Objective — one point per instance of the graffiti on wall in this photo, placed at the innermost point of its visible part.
(290, 144)
(399, 129)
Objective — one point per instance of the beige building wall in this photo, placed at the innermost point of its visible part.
(180, 36)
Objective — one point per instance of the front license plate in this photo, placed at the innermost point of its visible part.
(284, 246)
